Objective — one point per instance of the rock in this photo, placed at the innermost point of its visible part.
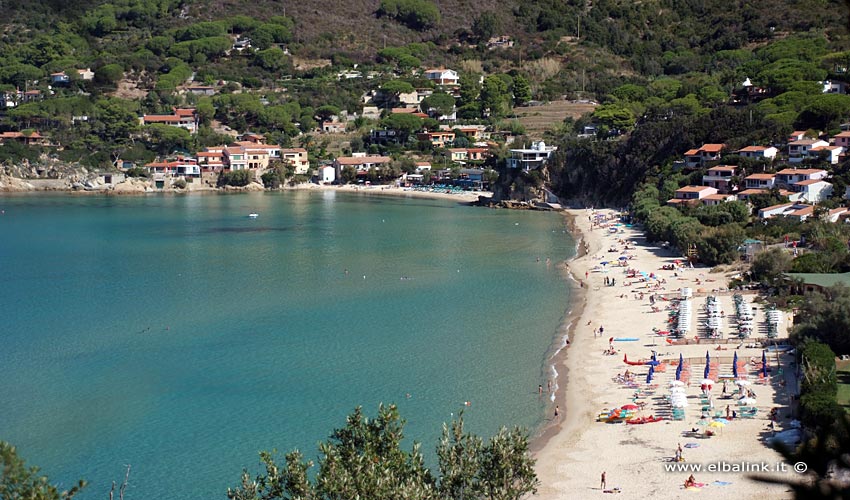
(14, 185)
(133, 186)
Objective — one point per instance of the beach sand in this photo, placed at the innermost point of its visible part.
(573, 451)
(463, 196)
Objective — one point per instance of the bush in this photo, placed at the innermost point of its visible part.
(238, 178)
(137, 172)
(179, 183)
(415, 14)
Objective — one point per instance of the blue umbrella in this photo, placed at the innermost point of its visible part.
(652, 362)
(735, 365)
(654, 356)
(705, 373)
(679, 368)
(764, 363)
(649, 375)
(707, 358)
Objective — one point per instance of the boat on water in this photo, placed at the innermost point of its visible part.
(253, 215)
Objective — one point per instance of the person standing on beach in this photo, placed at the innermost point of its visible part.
(602, 484)
(557, 411)
(540, 390)
(549, 386)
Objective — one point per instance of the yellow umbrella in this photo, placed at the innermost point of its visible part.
(717, 425)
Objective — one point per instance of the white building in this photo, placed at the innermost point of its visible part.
(531, 159)
(802, 149)
(327, 174)
(814, 190)
(758, 152)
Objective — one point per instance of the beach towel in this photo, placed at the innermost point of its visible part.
(721, 483)
(692, 445)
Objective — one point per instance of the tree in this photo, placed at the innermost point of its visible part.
(494, 95)
(273, 59)
(521, 90)
(769, 266)
(403, 123)
(441, 102)
(397, 87)
(327, 111)
(17, 481)
(485, 26)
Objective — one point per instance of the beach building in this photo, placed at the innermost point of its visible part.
(438, 139)
(691, 194)
(720, 177)
(788, 177)
(442, 76)
(800, 211)
(531, 158)
(327, 174)
(360, 162)
(717, 199)
(819, 282)
(298, 158)
(33, 139)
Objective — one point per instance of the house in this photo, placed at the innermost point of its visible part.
(706, 153)
(439, 138)
(500, 42)
(181, 167)
(234, 157)
(800, 211)
(200, 90)
(478, 154)
(814, 190)
(442, 76)
(758, 152)
(843, 139)
(690, 194)
(834, 87)
(211, 160)
(182, 117)
(327, 174)
(759, 181)
(252, 137)
(458, 154)
(797, 135)
(532, 158)
(85, 74)
(819, 282)
(473, 132)
(34, 138)
(383, 136)
(747, 193)
(717, 199)
(333, 127)
(360, 162)
(471, 178)
(789, 176)
(835, 214)
(801, 150)
(241, 44)
(829, 153)
(296, 157)
(408, 111)
(422, 166)
(720, 177)
(59, 78)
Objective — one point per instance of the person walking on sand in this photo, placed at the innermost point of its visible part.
(557, 411)
(602, 483)
(540, 390)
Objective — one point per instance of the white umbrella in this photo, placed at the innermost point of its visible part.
(677, 390)
(743, 382)
(747, 401)
(677, 383)
(679, 404)
(707, 381)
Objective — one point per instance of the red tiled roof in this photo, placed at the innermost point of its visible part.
(693, 189)
(752, 149)
(349, 160)
(806, 171)
(184, 111)
(809, 182)
(691, 152)
(712, 148)
(161, 119)
(723, 168)
(776, 207)
(760, 176)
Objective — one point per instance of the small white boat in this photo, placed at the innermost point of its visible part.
(253, 215)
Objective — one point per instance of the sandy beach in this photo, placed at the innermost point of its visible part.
(463, 196)
(575, 449)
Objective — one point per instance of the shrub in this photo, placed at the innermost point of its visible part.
(238, 178)
(415, 14)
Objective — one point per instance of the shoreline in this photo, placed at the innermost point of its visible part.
(380, 190)
(573, 451)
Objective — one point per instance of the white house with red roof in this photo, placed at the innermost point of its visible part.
(298, 158)
(758, 152)
(829, 153)
(800, 211)
(787, 177)
(720, 177)
(801, 150)
(842, 139)
(691, 194)
(814, 190)
(717, 199)
(797, 135)
(759, 181)
(361, 163)
(442, 76)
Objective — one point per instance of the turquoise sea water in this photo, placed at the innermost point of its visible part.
(177, 335)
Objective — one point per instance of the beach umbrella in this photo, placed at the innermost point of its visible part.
(746, 401)
(721, 420)
(654, 356)
(649, 374)
(705, 372)
(652, 362)
(735, 365)
(716, 424)
(604, 263)
(702, 421)
(707, 358)
(677, 383)
(623, 257)
(630, 407)
(764, 363)
(707, 381)
(743, 382)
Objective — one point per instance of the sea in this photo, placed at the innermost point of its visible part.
(178, 336)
